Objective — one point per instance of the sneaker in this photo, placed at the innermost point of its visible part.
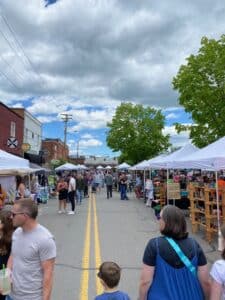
(71, 213)
(59, 212)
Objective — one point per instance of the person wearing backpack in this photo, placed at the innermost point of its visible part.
(174, 265)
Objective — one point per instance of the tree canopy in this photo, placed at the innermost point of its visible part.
(201, 87)
(136, 131)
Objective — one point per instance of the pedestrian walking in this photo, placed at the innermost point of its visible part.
(109, 274)
(79, 188)
(62, 189)
(109, 184)
(149, 191)
(217, 274)
(174, 265)
(123, 187)
(6, 231)
(33, 254)
(71, 193)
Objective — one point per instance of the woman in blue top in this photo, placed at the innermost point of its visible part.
(164, 276)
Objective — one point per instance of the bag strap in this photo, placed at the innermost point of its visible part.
(186, 261)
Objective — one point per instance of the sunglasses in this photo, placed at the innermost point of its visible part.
(16, 213)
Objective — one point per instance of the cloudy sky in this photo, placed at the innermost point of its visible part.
(85, 57)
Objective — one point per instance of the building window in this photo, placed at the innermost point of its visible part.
(13, 129)
(32, 135)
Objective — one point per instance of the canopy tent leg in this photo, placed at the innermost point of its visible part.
(220, 239)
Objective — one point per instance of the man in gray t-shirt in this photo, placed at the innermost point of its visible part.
(33, 254)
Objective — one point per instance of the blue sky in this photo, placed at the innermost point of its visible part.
(86, 57)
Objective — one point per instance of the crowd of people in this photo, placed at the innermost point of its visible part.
(174, 264)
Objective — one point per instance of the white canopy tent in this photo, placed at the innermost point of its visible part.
(66, 167)
(143, 165)
(108, 167)
(211, 157)
(99, 167)
(123, 166)
(11, 164)
(166, 161)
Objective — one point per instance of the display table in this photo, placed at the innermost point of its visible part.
(203, 209)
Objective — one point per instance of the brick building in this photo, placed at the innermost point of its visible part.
(54, 149)
(32, 135)
(11, 130)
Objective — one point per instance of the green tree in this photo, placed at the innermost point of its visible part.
(201, 87)
(136, 132)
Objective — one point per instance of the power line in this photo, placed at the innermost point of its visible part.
(20, 46)
(12, 83)
(12, 48)
(11, 67)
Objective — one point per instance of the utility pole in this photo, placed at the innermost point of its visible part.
(78, 149)
(65, 118)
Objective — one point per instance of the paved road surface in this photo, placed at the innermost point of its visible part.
(102, 229)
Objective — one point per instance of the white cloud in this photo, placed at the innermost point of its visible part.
(116, 54)
(172, 116)
(90, 143)
(46, 119)
(86, 136)
(176, 139)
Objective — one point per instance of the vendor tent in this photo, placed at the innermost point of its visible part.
(99, 167)
(166, 161)
(211, 157)
(9, 161)
(143, 165)
(66, 167)
(11, 164)
(108, 168)
(123, 166)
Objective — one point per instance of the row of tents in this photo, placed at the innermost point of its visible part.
(211, 157)
(12, 165)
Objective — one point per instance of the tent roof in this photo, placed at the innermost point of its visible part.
(66, 166)
(140, 166)
(166, 161)
(12, 165)
(123, 166)
(10, 161)
(211, 157)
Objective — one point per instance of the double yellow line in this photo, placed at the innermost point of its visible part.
(86, 252)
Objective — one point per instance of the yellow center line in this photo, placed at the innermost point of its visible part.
(86, 258)
(99, 288)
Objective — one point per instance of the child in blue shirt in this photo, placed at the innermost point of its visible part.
(109, 274)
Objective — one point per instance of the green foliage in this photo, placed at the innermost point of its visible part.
(57, 162)
(201, 87)
(136, 132)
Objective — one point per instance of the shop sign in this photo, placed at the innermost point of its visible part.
(12, 142)
(173, 190)
(25, 147)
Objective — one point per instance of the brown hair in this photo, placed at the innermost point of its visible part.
(29, 207)
(109, 272)
(175, 223)
(222, 229)
(7, 231)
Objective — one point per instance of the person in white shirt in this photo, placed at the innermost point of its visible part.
(33, 253)
(149, 191)
(217, 274)
(71, 193)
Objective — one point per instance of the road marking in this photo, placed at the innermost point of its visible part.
(99, 288)
(86, 257)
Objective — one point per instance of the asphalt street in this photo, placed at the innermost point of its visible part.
(101, 230)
